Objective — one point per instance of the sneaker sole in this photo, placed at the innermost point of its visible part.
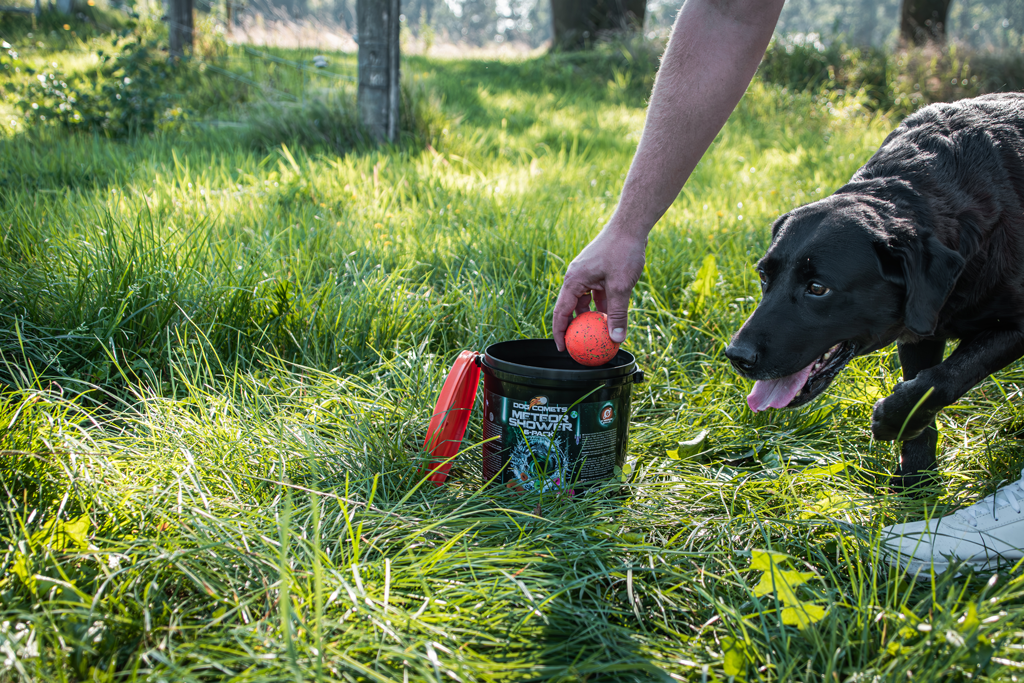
(918, 568)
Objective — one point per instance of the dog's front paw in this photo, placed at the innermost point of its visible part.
(900, 416)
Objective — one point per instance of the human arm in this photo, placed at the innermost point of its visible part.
(713, 52)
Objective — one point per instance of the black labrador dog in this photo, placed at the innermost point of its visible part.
(924, 244)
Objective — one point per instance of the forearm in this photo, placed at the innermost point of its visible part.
(713, 52)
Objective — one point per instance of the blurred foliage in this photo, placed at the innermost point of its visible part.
(129, 92)
(127, 85)
(57, 30)
(977, 24)
(899, 81)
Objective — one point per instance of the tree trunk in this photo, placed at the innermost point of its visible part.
(377, 26)
(924, 21)
(180, 28)
(577, 24)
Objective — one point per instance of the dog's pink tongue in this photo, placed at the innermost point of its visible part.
(777, 393)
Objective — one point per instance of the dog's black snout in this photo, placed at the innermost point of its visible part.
(744, 358)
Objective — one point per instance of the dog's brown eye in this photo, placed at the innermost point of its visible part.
(762, 276)
(818, 289)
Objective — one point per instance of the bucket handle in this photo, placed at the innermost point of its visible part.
(451, 416)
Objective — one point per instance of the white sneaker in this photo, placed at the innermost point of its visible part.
(985, 535)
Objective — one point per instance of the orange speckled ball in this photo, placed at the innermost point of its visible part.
(587, 339)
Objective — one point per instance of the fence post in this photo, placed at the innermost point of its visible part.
(180, 27)
(378, 30)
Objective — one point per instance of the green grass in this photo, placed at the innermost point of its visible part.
(220, 360)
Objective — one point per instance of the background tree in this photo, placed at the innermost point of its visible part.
(181, 25)
(924, 21)
(578, 23)
(379, 59)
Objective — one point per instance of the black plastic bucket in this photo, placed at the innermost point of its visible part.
(559, 425)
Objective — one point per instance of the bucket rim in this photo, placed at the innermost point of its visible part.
(624, 362)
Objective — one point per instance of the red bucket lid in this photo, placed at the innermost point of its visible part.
(451, 416)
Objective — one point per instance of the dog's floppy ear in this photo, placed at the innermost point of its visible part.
(930, 270)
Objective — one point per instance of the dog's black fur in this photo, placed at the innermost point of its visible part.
(924, 244)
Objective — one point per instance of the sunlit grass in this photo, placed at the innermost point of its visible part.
(225, 359)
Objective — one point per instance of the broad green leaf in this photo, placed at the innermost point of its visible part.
(736, 657)
(688, 448)
(802, 615)
(829, 503)
(77, 530)
(22, 571)
(704, 282)
(60, 535)
(763, 560)
(783, 582)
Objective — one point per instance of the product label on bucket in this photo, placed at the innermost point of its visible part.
(539, 445)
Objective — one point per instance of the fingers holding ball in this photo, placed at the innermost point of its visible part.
(587, 339)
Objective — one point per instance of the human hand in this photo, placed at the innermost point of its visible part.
(605, 271)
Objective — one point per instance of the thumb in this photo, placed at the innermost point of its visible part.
(618, 316)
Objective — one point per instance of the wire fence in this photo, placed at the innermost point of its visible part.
(275, 74)
(221, 37)
(261, 69)
(240, 79)
(247, 25)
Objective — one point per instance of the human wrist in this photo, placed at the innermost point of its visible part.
(627, 230)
